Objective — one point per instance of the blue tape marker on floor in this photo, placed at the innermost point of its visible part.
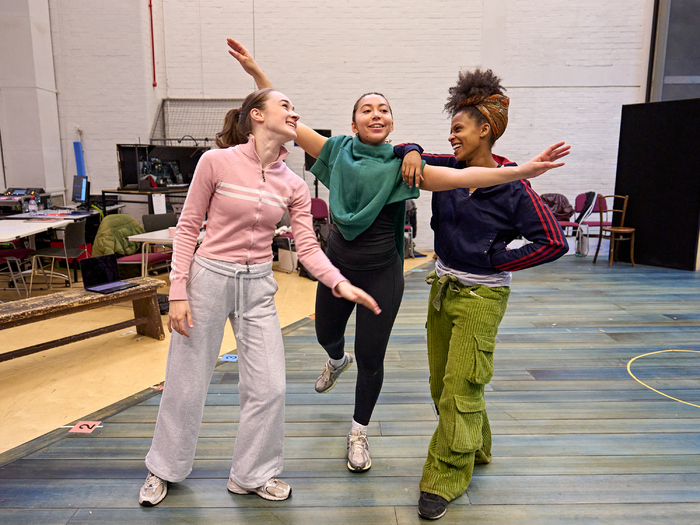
(228, 357)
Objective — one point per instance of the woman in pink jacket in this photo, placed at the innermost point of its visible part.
(243, 189)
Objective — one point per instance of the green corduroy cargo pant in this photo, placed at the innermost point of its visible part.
(462, 326)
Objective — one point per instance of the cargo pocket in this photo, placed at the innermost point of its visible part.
(481, 369)
(468, 421)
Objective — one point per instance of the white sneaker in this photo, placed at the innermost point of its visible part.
(153, 491)
(274, 489)
(329, 375)
(358, 451)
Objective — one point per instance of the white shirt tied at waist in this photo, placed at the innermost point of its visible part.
(492, 280)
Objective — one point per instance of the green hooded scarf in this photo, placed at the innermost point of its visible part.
(362, 179)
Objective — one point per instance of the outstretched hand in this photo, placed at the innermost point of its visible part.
(545, 161)
(357, 295)
(240, 53)
(247, 62)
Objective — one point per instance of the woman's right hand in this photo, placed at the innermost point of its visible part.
(357, 295)
(544, 162)
(248, 63)
(412, 169)
(180, 317)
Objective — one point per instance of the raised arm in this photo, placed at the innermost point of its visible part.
(248, 63)
(310, 141)
(439, 178)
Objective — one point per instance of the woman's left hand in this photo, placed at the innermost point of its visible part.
(357, 295)
(412, 169)
(544, 162)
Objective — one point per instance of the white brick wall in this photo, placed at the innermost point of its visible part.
(29, 127)
(568, 67)
(104, 77)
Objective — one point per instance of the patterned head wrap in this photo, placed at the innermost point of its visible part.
(494, 108)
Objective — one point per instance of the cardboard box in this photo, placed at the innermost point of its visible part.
(287, 260)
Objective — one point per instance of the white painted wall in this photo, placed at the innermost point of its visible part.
(568, 67)
(104, 75)
(28, 108)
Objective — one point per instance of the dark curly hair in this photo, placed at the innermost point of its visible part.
(470, 84)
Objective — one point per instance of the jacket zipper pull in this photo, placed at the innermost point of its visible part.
(263, 174)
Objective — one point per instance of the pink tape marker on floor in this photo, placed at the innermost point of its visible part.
(85, 427)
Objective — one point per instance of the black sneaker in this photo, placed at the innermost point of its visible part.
(431, 506)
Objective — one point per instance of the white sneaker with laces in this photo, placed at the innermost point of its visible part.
(329, 375)
(274, 489)
(153, 491)
(358, 451)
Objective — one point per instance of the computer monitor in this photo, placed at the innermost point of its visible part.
(81, 191)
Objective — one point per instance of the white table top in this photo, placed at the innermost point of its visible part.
(158, 237)
(50, 214)
(63, 214)
(10, 230)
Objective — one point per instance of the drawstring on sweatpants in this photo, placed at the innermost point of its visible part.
(238, 306)
(239, 273)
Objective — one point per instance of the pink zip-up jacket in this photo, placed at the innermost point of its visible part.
(244, 203)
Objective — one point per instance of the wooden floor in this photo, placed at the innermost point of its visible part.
(576, 437)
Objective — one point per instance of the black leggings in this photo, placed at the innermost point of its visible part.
(371, 332)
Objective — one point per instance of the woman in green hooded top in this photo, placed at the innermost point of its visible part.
(367, 204)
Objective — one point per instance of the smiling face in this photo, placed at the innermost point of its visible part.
(469, 139)
(278, 116)
(372, 120)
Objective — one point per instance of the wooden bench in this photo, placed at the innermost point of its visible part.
(145, 302)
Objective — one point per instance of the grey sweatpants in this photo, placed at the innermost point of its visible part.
(218, 290)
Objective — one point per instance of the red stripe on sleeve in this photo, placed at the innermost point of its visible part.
(551, 231)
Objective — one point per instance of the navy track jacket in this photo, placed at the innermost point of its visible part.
(473, 230)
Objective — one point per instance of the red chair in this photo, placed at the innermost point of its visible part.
(601, 207)
(583, 207)
(153, 259)
(17, 256)
(158, 259)
(319, 209)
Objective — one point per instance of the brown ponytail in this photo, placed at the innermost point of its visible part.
(237, 124)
